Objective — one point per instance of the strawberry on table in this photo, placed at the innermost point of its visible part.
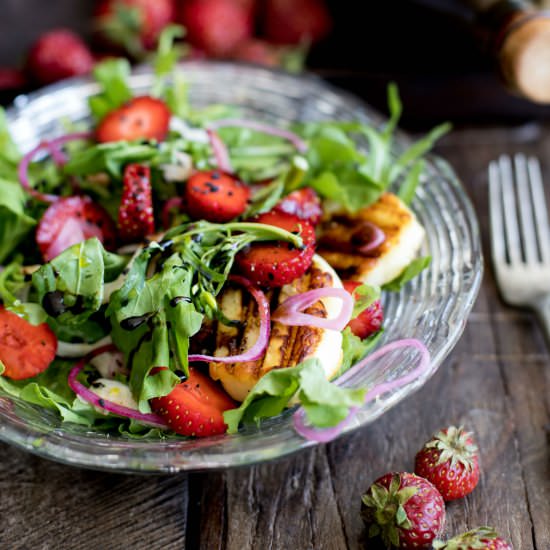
(303, 203)
(142, 117)
(216, 26)
(71, 220)
(25, 350)
(135, 215)
(405, 510)
(368, 321)
(481, 538)
(274, 264)
(450, 461)
(58, 54)
(134, 24)
(195, 407)
(215, 196)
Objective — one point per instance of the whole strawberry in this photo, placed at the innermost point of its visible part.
(58, 54)
(404, 510)
(216, 27)
(133, 24)
(481, 538)
(450, 461)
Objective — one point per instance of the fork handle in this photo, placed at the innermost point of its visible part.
(542, 309)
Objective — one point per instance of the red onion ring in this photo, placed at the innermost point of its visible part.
(169, 205)
(323, 435)
(53, 147)
(258, 349)
(90, 397)
(296, 140)
(376, 237)
(290, 311)
(220, 151)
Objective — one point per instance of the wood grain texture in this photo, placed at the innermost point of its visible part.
(496, 382)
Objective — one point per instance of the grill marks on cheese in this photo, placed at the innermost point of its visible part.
(404, 236)
(287, 346)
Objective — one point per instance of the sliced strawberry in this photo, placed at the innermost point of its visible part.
(25, 350)
(293, 21)
(368, 321)
(216, 26)
(278, 263)
(215, 196)
(58, 54)
(71, 220)
(135, 215)
(143, 117)
(303, 203)
(195, 407)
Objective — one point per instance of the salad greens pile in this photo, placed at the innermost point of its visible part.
(154, 299)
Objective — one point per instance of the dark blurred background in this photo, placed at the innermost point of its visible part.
(433, 49)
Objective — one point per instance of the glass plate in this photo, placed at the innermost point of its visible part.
(433, 308)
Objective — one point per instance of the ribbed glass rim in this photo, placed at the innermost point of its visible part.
(433, 308)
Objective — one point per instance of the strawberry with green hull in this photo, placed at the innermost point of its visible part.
(481, 538)
(25, 350)
(277, 264)
(133, 24)
(404, 510)
(142, 117)
(215, 196)
(195, 407)
(135, 215)
(450, 461)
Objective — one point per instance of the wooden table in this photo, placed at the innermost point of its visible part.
(496, 382)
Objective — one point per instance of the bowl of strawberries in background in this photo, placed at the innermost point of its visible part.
(67, 38)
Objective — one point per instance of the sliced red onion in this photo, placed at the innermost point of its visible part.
(171, 204)
(54, 148)
(258, 349)
(374, 239)
(324, 435)
(90, 397)
(220, 151)
(296, 140)
(290, 311)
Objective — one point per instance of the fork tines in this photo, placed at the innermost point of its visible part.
(519, 218)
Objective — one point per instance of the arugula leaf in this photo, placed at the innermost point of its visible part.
(407, 189)
(75, 279)
(153, 319)
(167, 55)
(343, 172)
(9, 154)
(113, 76)
(410, 272)
(15, 224)
(325, 404)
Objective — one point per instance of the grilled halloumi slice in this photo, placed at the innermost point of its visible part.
(288, 345)
(341, 235)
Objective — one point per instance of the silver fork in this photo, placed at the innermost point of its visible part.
(520, 234)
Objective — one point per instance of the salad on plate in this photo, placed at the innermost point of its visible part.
(169, 271)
